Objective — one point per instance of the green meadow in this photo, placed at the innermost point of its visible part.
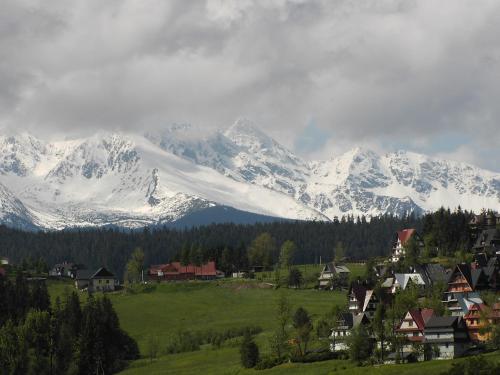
(162, 310)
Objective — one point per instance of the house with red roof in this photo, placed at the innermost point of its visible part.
(412, 326)
(362, 300)
(402, 238)
(175, 271)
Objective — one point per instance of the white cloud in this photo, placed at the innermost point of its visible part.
(367, 71)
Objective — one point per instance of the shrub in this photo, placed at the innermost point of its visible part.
(268, 362)
(249, 351)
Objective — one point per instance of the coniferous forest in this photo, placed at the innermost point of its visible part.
(228, 243)
(66, 338)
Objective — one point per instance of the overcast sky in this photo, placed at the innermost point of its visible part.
(319, 76)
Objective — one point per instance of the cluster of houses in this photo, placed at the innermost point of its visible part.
(103, 280)
(442, 337)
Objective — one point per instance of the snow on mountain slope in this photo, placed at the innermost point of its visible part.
(127, 180)
(132, 180)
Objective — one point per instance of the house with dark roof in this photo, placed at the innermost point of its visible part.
(101, 280)
(402, 239)
(433, 273)
(175, 271)
(464, 283)
(488, 241)
(345, 323)
(65, 269)
(448, 335)
(412, 326)
(362, 300)
(333, 273)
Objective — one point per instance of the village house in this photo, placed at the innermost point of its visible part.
(101, 280)
(412, 326)
(488, 242)
(333, 274)
(463, 286)
(476, 321)
(401, 240)
(175, 271)
(447, 335)
(362, 300)
(345, 323)
(478, 318)
(401, 281)
(65, 269)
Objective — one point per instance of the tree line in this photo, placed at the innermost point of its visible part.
(66, 338)
(232, 245)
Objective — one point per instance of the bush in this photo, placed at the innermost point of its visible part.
(183, 342)
(325, 355)
(268, 362)
(249, 352)
(191, 341)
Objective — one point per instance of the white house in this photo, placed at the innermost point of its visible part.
(401, 240)
(100, 281)
(448, 334)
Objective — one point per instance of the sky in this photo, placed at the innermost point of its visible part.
(319, 76)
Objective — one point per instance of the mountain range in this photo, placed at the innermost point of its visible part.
(166, 176)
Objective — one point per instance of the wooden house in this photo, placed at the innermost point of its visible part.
(346, 321)
(463, 284)
(362, 300)
(412, 326)
(333, 273)
(402, 238)
(175, 271)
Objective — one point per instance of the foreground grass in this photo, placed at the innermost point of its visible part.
(226, 362)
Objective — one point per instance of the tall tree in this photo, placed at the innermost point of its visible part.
(262, 250)
(287, 253)
(303, 326)
(249, 351)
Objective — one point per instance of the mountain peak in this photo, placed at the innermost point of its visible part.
(245, 132)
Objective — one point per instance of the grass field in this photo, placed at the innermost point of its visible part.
(166, 309)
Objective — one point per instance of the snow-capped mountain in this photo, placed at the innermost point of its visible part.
(160, 177)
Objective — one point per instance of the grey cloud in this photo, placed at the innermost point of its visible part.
(364, 70)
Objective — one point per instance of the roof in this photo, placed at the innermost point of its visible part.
(359, 292)
(441, 322)
(405, 234)
(421, 316)
(404, 278)
(102, 273)
(346, 319)
(87, 275)
(335, 268)
(83, 275)
(368, 296)
(488, 237)
(433, 273)
(466, 303)
(175, 268)
(388, 283)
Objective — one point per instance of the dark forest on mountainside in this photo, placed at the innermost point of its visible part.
(361, 239)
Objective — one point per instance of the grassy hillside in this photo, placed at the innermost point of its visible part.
(163, 310)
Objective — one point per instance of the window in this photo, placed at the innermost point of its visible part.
(438, 335)
(107, 281)
(447, 345)
(410, 323)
